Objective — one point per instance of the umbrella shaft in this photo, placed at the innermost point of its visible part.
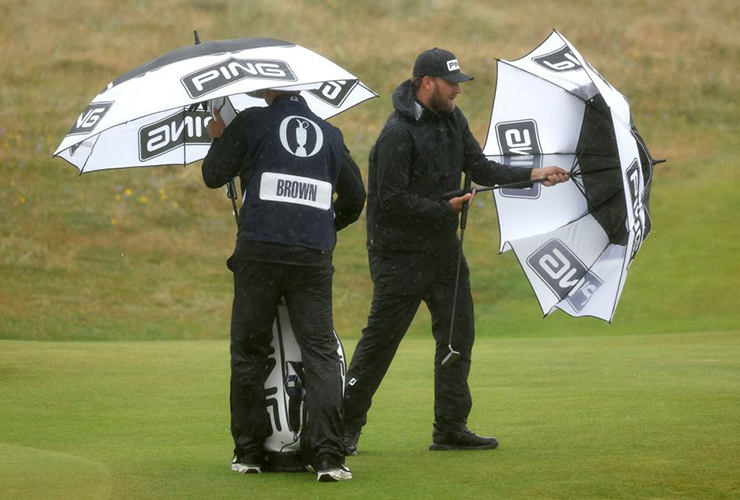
(461, 192)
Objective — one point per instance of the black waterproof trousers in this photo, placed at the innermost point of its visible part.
(401, 281)
(258, 288)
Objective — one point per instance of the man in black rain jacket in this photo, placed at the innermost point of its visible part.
(291, 163)
(421, 153)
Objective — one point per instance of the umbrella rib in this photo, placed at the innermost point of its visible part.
(84, 165)
(589, 139)
(584, 274)
(596, 159)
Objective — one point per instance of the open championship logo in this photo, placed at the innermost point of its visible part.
(520, 143)
(301, 136)
(561, 60)
(172, 132)
(207, 80)
(564, 273)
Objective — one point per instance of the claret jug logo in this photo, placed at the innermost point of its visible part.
(301, 136)
(90, 118)
(564, 273)
(206, 80)
(561, 60)
(172, 132)
(520, 141)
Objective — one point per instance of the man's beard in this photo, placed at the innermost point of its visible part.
(440, 105)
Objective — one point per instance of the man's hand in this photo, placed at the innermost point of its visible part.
(554, 175)
(215, 126)
(457, 203)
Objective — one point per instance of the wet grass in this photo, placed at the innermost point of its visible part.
(622, 417)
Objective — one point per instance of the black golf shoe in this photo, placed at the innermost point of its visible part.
(243, 465)
(330, 470)
(351, 438)
(461, 439)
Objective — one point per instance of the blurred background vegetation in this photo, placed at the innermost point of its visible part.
(139, 254)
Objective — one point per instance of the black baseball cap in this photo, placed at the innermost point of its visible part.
(441, 63)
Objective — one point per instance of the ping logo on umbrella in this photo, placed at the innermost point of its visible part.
(519, 141)
(641, 218)
(90, 118)
(334, 93)
(206, 80)
(300, 136)
(560, 60)
(564, 273)
(172, 132)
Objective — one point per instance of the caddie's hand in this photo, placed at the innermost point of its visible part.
(215, 126)
(554, 175)
(457, 203)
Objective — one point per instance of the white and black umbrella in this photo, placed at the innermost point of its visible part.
(150, 115)
(575, 241)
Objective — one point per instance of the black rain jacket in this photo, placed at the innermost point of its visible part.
(418, 156)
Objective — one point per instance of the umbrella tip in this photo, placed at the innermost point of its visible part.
(197, 38)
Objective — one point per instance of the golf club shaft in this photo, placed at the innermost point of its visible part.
(231, 194)
(463, 223)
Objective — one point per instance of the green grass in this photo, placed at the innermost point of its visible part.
(622, 417)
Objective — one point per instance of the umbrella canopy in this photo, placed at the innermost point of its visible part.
(148, 117)
(576, 240)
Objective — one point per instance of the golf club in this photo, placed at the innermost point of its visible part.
(452, 356)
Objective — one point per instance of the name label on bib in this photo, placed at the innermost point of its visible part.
(295, 189)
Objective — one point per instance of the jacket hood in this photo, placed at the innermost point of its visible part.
(404, 101)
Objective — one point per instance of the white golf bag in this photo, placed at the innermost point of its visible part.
(285, 397)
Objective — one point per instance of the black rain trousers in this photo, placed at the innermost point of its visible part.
(258, 288)
(401, 281)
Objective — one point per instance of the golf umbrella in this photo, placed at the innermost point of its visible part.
(150, 115)
(575, 241)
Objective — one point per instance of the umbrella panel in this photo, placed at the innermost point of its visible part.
(574, 244)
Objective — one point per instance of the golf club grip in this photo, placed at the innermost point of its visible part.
(458, 192)
(453, 194)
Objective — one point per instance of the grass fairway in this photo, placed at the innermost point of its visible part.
(623, 417)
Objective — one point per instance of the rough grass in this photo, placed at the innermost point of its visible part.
(139, 254)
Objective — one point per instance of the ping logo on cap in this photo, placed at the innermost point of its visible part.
(453, 65)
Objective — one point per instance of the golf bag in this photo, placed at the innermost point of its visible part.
(285, 397)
